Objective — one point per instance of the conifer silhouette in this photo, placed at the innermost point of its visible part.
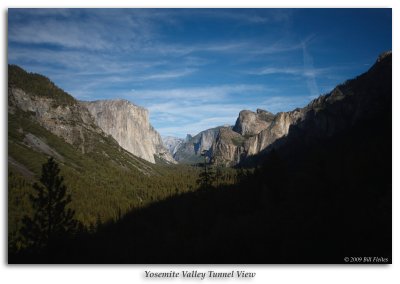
(207, 176)
(51, 220)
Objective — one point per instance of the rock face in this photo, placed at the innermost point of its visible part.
(228, 148)
(129, 125)
(329, 114)
(278, 128)
(190, 151)
(172, 144)
(252, 133)
(251, 123)
(71, 121)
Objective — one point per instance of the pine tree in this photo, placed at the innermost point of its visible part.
(51, 220)
(206, 177)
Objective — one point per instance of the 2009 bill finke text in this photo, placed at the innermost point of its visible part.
(200, 274)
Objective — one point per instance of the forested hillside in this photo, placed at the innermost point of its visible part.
(105, 181)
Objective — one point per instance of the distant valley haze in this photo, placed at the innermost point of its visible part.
(196, 69)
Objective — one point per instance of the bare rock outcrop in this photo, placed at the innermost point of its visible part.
(129, 125)
(71, 121)
(190, 150)
(172, 144)
(278, 128)
(251, 123)
(228, 148)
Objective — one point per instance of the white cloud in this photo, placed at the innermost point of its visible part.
(110, 29)
(211, 93)
(275, 47)
(284, 103)
(246, 16)
(309, 65)
(166, 75)
(58, 33)
(297, 71)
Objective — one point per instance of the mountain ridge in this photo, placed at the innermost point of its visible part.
(327, 112)
(252, 133)
(74, 120)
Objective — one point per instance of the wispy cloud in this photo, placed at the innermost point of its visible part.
(284, 103)
(198, 93)
(276, 47)
(297, 71)
(247, 16)
(307, 70)
(166, 75)
(176, 49)
(57, 33)
(106, 30)
(309, 65)
(98, 29)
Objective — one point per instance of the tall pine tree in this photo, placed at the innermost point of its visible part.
(206, 177)
(52, 220)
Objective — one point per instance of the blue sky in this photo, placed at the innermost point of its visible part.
(195, 69)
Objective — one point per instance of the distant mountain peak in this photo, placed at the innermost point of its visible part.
(172, 143)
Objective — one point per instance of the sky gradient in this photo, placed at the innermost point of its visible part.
(195, 69)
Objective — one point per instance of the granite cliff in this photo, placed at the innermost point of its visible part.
(190, 150)
(172, 143)
(129, 125)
